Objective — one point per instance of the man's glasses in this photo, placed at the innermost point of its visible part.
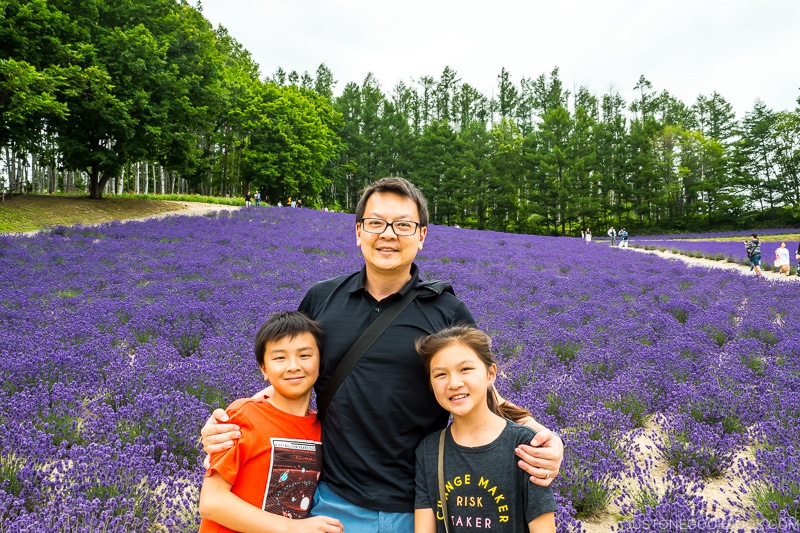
(401, 228)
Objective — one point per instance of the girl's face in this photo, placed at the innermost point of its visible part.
(460, 380)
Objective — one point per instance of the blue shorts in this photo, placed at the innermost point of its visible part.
(357, 519)
(755, 261)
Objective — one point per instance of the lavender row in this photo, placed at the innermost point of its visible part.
(744, 234)
(118, 340)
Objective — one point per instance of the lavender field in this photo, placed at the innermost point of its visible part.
(676, 389)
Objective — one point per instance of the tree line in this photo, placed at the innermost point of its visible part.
(146, 96)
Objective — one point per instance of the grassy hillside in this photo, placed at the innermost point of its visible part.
(32, 212)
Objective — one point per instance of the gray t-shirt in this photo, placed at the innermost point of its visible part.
(485, 488)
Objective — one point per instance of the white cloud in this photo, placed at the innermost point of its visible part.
(742, 49)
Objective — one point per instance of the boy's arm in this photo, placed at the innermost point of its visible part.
(220, 505)
(424, 521)
(542, 459)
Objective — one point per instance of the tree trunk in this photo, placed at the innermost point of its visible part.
(97, 182)
(53, 178)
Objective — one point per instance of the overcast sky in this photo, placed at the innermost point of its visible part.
(743, 49)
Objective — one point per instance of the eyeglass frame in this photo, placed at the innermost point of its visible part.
(388, 224)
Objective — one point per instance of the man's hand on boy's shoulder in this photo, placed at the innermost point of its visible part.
(216, 435)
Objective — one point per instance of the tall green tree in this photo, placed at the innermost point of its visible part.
(715, 118)
(470, 106)
(471, 190)
(324, 82)
(756, 154)
(194, 96)
(35, 73)
(436, 156)
(239, 82)
(582, 155)
(28, 98)
(786, 140)
(507, 95)
(292, 135)
(506, 187)
(611, 136)
(553, 168)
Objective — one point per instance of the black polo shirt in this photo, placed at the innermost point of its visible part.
(385, 406)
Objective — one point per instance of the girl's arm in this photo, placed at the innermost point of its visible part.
(544, 523)
(424, 521)
(220, 505)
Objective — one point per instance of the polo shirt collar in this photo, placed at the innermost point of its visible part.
(357, 283)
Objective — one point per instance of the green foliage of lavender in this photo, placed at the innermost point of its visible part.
(118, 340)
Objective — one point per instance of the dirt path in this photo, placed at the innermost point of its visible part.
(191, 208)
(711, 263)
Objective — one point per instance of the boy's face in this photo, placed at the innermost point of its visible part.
(291, 365)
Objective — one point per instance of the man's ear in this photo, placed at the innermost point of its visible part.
(423, 232)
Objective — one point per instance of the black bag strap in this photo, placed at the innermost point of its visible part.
(359, 348)
(440, 475)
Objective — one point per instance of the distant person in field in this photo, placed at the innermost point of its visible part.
(782, 261)
(797, 257)
(248, 198)
(588, 235)
(257, 197)
(477, 446)
(623, 238)
(384, 407)
(612, 234)
(245, 488)
(753, 250)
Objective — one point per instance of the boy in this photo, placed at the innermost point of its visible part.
(269, 476)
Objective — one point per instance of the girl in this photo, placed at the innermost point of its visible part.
(472, 462)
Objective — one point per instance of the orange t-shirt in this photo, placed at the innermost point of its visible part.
(278, 455)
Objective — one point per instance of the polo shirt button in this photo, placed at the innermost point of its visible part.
(377, 309)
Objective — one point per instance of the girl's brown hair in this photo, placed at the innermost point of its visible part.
(480, 343)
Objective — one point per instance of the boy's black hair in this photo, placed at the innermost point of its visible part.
(285, 324)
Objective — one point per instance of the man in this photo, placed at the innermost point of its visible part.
(384, 408)
(623, 238)
(612, 233)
